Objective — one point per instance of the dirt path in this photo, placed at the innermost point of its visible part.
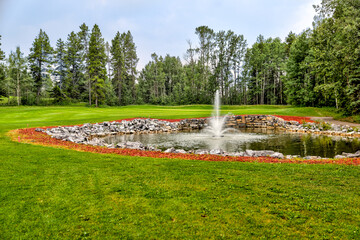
(331, 120)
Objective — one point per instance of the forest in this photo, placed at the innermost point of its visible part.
(317, 67)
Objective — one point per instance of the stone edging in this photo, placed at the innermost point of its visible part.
(92, 134)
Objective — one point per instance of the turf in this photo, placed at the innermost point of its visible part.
(48, 193)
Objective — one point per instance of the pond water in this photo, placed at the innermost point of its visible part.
(254, 139)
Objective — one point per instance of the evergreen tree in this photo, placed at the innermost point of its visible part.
(2, 72)
(17, 70)
(299, 80)
(131, 60)
(97, 64)
(84, 36)
(60, 69)
(118, 66)
(58, 95)
(39, 61)
(123, 64)
(73, 61)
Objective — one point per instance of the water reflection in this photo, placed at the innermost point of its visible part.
(254, 139)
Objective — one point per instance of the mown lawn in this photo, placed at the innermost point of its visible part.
(49, 193)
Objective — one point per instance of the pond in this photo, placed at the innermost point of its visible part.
(243, 139)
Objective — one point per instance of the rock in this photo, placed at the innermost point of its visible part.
(201, 151)
(263, 153)
(249, 153)
(39, 130)
(134, 145)
(339, 156)
(236, 154)
(277, 155)
(353, 155)
(216, 151)
(312, 157)
(180, 151)
(170, 150)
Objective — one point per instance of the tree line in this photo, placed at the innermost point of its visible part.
(82, 68)
(318, 67)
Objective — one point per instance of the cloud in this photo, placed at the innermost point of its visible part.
(304, 16)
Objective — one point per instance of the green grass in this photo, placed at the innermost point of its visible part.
(48, 193)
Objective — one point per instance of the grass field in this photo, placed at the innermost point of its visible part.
(49, 193)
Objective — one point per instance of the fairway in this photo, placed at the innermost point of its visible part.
(50, 193)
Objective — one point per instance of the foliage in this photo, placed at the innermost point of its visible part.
(58, 95)
(263, 71)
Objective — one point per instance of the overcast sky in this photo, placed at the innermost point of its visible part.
(160, 26)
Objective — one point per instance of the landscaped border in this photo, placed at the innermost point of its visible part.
(29, 135)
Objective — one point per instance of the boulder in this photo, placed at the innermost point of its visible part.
(170, 150)
(216, 151)
(277, 155)
(201, 151)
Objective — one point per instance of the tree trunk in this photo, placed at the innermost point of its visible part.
(89, 92)
(18, 88)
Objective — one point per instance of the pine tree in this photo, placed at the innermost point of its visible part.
(17, 68)
(2, 73)
(97, 64)
(39, 61)
(131, 61)
(118, 65)
(84, 36)
(60, 69)
(73, 61)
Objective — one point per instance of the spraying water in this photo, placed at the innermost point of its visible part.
(217, 122)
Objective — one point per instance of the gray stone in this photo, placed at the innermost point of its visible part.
(170, 150)
(312, 157)
(249, 153)
(277, 155)
(216, 151)
(180, 151)
(201, 151)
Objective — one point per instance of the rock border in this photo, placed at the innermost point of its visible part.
(93, 134)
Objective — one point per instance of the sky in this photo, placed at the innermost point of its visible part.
(160, 26)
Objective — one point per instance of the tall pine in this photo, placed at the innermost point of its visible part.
(2, 72)
(60, 67)
(84, 37)
(40, 60)
(17, 71)
(97, 64)
(73, 61)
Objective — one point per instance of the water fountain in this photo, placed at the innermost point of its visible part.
(217, 123)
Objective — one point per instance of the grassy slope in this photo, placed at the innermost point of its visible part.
(56, 194)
